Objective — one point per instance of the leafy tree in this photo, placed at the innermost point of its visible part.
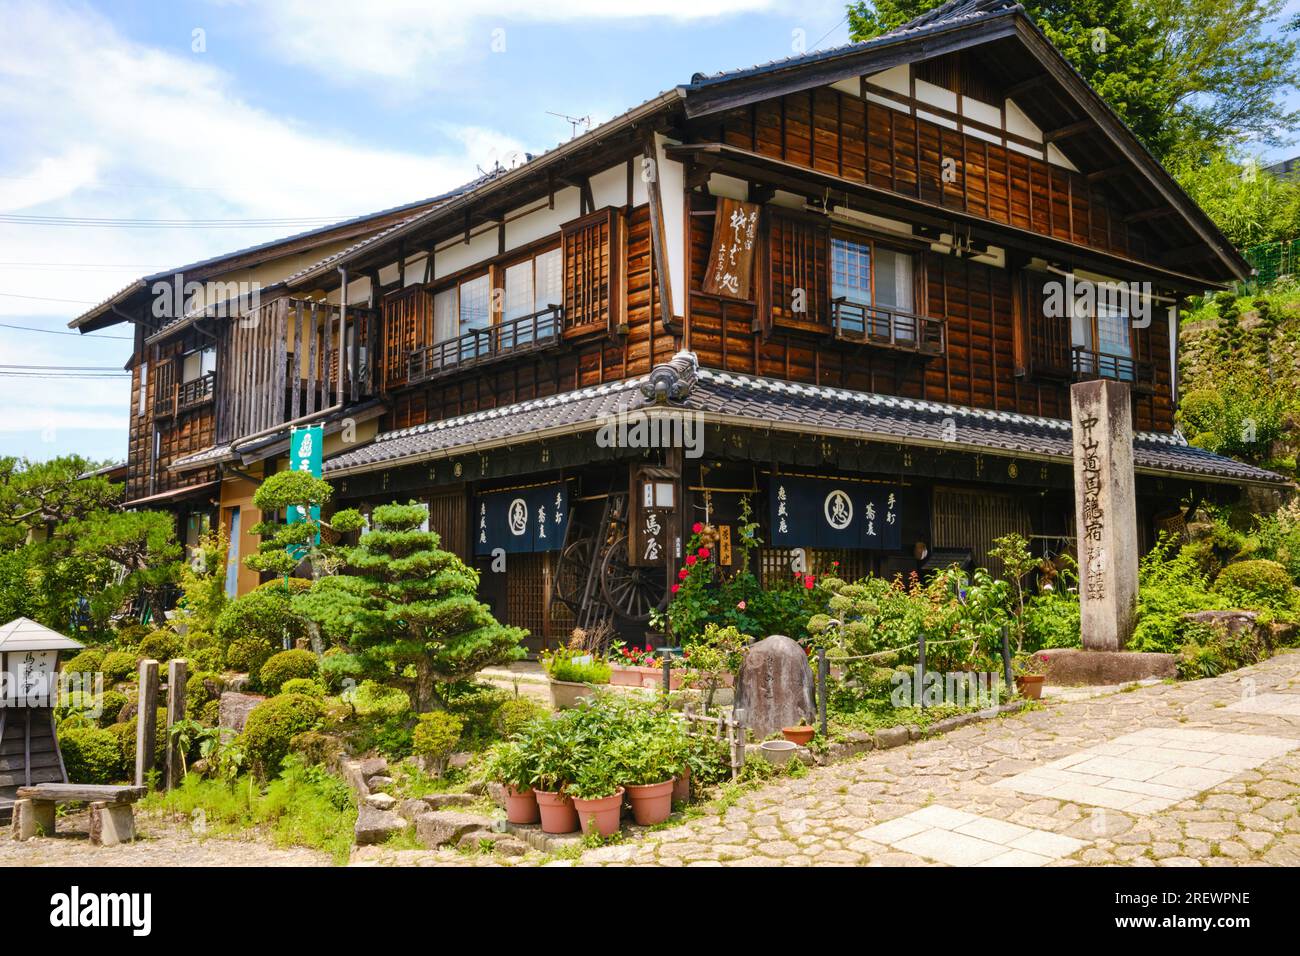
(140, 544)
(1248, 204)
(409, 609)
(275, 496)
(36, 496)
(1187, 76)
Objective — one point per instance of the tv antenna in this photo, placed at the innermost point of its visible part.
(573, 121)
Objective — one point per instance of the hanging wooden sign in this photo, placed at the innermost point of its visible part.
(731, 260)
(724, 545)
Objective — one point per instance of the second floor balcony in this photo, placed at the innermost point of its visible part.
(511, 337)
(175, 397)
(888, 328)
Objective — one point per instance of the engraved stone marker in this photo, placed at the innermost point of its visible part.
(1105, 512)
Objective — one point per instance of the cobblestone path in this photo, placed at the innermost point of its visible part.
(1172, 795)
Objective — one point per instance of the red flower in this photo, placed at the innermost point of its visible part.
(704, 552)
(676, 588)
(740, 605)
(681, 575)
(697, 527)
(690, 559)
(809, 581)
(835, 564)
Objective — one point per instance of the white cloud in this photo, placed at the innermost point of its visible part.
(415, 43)
(97, 125)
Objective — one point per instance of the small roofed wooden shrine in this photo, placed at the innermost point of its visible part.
(29, 746)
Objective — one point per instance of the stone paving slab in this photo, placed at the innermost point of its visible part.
(1287, 705)
(958, 838)
(1151, 769)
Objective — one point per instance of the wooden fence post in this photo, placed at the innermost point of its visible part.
(146, 722)
(176, 671)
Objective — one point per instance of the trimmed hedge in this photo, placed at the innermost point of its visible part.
(91, 755)
(119, 666)
(249, 654)
(161, 646)
(263, 613)
(272, 725)
(1259, 583)
(285, 666)
(86, 662)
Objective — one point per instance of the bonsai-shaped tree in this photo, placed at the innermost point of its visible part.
(283, 547)
(408, 608)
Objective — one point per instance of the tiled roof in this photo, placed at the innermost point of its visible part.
(765, 402)
(951, 14)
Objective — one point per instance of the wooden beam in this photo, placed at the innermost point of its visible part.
(1024, 86)
(1065, 132)
(1155, 212)
(658, 240)
(1099, 175)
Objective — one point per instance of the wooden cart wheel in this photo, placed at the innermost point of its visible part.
(632, 592)
(571, 571)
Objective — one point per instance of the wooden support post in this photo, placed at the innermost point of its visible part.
(176, 676)
(146, 721)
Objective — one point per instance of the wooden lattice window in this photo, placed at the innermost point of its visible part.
(593, 254)
(407, 324)
(797, 258)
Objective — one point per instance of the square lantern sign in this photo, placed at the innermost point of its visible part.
(654, 501)
(834, 513)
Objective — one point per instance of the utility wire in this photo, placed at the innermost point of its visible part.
(46, 298)
(80, 335)
(20, 220)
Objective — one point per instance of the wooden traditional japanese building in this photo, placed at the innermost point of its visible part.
(823, 285)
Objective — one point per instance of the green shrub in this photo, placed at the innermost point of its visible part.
(210, 714)
(285, 666)
(124, 735)
(248, 654)
(88, 661)
(111, 703)
(316, 748)
(91, 755)
(272, 725)
(1052, 620)
(564, 665)
(1259, 583)
(476, 705)
(337, 667)
(118, 666)
(263, 613)
(129, 636)
(162, 645)
(202, 688)
(1169, 586)
(514, 713)
(435, 738)
(207, 658)
(303, 685)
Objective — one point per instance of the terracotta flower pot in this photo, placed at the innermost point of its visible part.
(799, 735)
(682, 786)
(565, 694)
(521, 805)
(557, 812)
(1030, 686)
(620, 676)
(652, 802)
(601, 814)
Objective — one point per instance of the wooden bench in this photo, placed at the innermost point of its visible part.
(112, 819)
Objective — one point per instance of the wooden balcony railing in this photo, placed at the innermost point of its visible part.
(513, 337)
(1087, 364)
(888, 328)
(196, 391)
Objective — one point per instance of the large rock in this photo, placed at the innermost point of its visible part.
(1072, 666)
(445, 801)
(442, 827)
(375, 825)
(775, 686)
(235, 709)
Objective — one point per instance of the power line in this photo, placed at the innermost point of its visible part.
(64, 368)
(130, 223)
(51, 376)
(46, 298)
(80, 335)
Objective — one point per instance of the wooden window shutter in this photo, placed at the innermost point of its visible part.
(593, 256)
(797, 262)
(1050, 335)
(408, 324)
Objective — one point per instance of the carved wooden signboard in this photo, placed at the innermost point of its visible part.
(731, 260)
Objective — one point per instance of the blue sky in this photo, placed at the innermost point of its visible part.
(290, 109)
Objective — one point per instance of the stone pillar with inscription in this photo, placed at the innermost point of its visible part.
(1105, 512)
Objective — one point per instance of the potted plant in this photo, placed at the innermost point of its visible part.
(573, 676)
(597, 797)
(630, 666)
(553, 749)
(650, 761)
(1029, 673)
(511, 765)
(800, 734)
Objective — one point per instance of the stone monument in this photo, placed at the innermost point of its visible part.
(775, 687)
(1105, 512)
